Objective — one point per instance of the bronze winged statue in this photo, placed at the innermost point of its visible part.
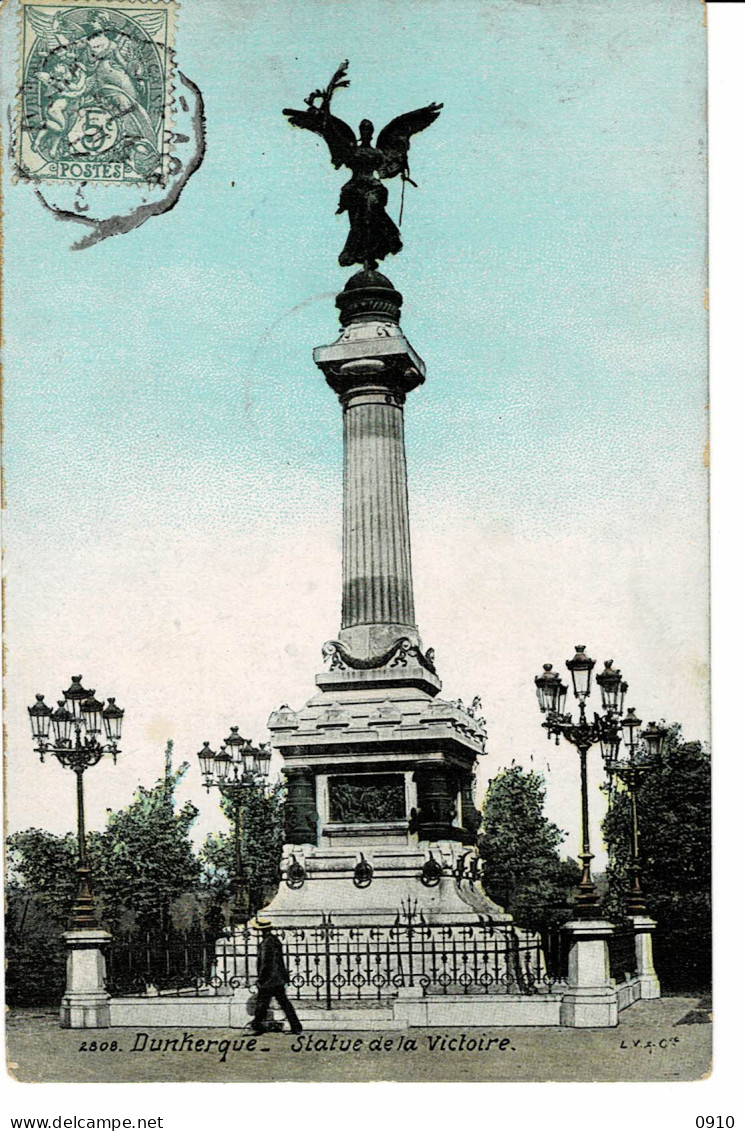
(372, 233)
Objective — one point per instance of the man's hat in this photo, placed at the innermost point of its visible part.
(260, 923)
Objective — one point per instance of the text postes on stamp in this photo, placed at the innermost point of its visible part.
(94, 91)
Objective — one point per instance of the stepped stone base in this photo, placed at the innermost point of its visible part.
(396, 884)
(409, 1010)
(85, 1011)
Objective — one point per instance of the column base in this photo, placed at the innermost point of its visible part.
(650, 986)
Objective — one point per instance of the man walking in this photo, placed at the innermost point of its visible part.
(272, 977)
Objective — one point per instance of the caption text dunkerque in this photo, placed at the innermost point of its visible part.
(308, 1043)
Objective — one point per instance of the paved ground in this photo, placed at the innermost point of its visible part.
(668, 1039)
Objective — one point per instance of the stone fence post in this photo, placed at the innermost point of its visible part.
(85, 1004)
(590, 999)
(645, 971)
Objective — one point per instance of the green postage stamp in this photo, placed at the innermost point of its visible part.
(94, 92)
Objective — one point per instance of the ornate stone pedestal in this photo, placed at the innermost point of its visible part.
(85, 1004)
(380, 812)
(379, 770)
(590, 999)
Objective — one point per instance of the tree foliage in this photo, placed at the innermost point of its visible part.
(141, 864)
(144, 860)
(674, 813)
(40, 890)
(43, 865)
(523, 870)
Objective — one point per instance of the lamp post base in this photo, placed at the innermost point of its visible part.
(240, 912)
(590, 1000)
(83, 916)
(85, 1004)
(586, 897)
(586, 903)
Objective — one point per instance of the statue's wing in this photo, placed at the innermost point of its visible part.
(45, 28)
(151, 22)
(339, 137)
(393, 139)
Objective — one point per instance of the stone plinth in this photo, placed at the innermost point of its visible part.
(410, 1008)
(590, 1000)
(645, 971)
(422, 752)
(329, 886)
(475, 1011)
(85, 1004)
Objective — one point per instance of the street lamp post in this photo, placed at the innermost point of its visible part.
(235, 770)
(583, 734)
(630, 764)
(76, 725)
(590, 998)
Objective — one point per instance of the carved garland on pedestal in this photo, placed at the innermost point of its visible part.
(398, 655)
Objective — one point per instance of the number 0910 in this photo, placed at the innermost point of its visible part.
(715, 1121)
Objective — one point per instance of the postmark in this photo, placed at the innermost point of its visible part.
(94, 91)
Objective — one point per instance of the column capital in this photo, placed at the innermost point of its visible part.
(371, 348)
(643, 923)
(84, 937)
(371, 353)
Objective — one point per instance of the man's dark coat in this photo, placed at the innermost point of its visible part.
(271, 968)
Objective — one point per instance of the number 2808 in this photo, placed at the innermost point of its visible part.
(715, 1121)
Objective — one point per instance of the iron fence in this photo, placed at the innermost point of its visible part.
(160, 963)
(329, 963)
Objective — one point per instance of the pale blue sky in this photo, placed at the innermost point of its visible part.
(160, 393)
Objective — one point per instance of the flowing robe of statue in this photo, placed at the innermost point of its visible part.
(372, 233)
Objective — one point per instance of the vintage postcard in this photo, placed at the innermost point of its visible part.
(356, 541)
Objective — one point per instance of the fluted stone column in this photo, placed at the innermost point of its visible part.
(376, 571)
(372, 367)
